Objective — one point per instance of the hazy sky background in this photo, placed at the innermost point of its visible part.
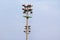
(45, 21)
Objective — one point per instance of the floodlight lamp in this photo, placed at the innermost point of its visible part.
(29, 5)
(30, 9)
(23, 5)
(29, 31)
(31, 12)
(29, 26)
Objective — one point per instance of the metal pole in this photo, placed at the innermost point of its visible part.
(27, 27)
(27, 9)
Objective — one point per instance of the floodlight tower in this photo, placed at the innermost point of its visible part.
(27, 11)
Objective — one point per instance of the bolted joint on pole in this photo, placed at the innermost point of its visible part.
(29, 29)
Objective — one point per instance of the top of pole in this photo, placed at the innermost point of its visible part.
(27, 8)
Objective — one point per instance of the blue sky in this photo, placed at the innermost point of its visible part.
(45, 21)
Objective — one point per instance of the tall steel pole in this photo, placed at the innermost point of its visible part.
(27, 9)
(27, 27)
